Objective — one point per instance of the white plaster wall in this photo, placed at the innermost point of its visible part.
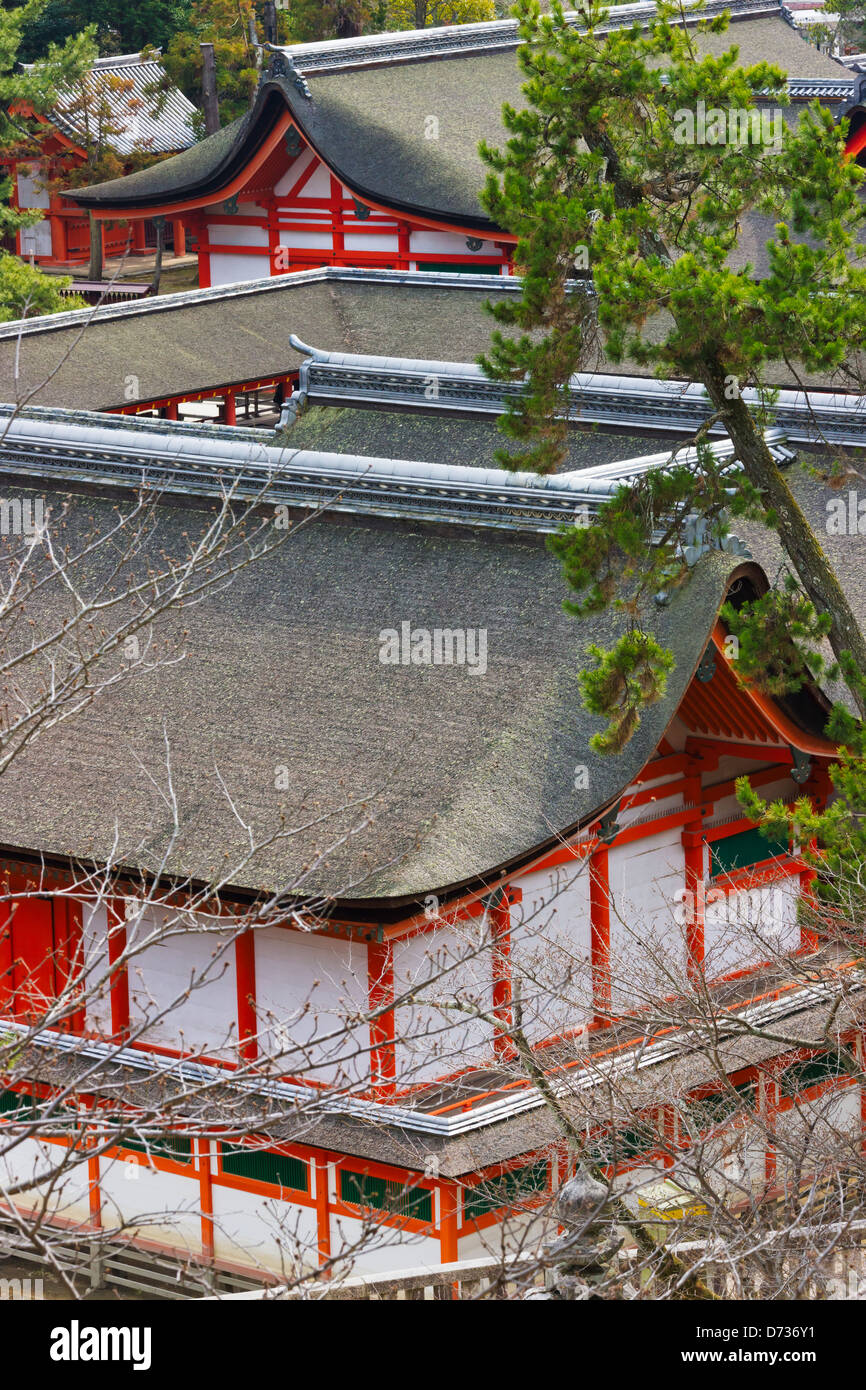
(433, 1041)
(29, 194)
(663, 802)
(449, 244)
(377, 1249)
(380, 242)
(36, 239)
(28, 1159)
(161, 973)
(159, 1205)
(750, 926)
(550, 949)
(307, 989)
(236, 234)
(232, 270)
(648, 952)
(315, 240)
(297, 167)
(263, 1232)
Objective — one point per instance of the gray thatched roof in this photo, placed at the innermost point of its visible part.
(194, 341)
(369, 125)
(458, 772)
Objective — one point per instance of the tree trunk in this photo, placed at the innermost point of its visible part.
(270, 21)
(799, 540)
(210, 100)
(95, 268)
(160, 247)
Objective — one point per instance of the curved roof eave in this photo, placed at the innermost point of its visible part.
(227, 175)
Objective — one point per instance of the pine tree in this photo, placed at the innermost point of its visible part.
(606, 168)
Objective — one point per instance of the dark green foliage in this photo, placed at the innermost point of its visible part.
(779, 637)
(603, 178)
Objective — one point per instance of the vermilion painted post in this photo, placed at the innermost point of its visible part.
(323, 1209)
(230, 408)
(119, 977)
(448, 1207)
(94, 1194)
(205, 1182)
(380, 985)
(599, 912)
(500, 929)
(245, 967)
(693, 847)
(7, 978)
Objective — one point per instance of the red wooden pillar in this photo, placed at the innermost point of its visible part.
(693, 847)
(93, 1192)
(404, 245)
(808, 936)
(380, 985)
(323, 1208)
(230, 408)
(205, 1186)
(69, 958)
(768, 1104)
(138, 241)
(171, 411)
(449, 1199)
(337, 239)
(179, 233)
(500, 931)
(599, 913)
(58, 229)
(204, 276)
(245, 967)
(7, 958)
(116, 909)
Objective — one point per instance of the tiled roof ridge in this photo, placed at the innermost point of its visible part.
(411, 45)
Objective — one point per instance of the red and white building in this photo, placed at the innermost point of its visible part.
(502, 850)
(124, 85)
(364, 152)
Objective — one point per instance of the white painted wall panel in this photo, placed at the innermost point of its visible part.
(263, 1232)
(158, 1205)
(433, 1036)
(36, 240)
(161, 973)
(236, 234)
(30, 195)
(27, 1159)
(750, 926)
(374, 1249)
(550, 949)
(312, 241)
(226, 269)
(307, 989)
(448, 244)
(380, 242)
(297, 167)
(647, 943)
